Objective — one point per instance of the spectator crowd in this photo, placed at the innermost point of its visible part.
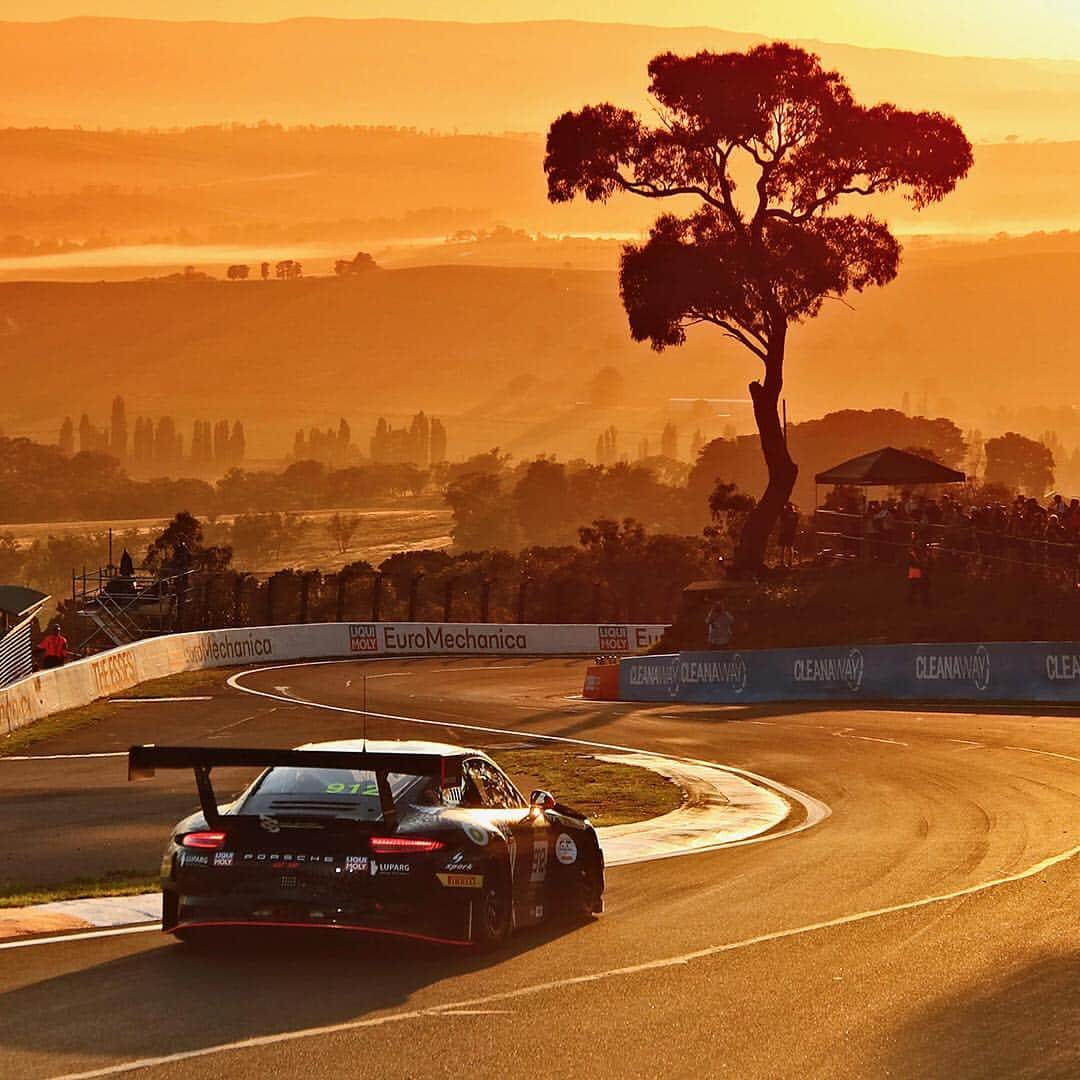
(982, 535)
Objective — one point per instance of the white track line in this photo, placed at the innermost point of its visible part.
(138, 700)
(871, 738)
(59, 939)
(435, 1011)
(482, 667)
(59, 757)
(1045, 753)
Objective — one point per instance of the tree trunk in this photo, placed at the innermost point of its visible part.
(754, 540)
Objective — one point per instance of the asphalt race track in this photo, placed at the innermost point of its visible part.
(929, 927)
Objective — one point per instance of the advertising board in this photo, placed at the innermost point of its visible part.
(991, 671)
(106, 673)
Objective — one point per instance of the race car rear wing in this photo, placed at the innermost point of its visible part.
(144, 761)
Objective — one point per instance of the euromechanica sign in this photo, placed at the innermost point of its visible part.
(499, 639)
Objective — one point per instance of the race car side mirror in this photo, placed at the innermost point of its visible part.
(542, 800)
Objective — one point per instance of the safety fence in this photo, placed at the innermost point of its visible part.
(990, 672)
(83, 681)
(221, 599)
(960, 544)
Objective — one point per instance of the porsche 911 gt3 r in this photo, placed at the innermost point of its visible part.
(419, 839)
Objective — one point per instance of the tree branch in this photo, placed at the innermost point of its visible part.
(834, 296)
(748, 147)
(737, 334)
(649, 190)
(823, 200)
(763, 202)
(720, 161)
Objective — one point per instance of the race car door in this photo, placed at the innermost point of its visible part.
(488, 789)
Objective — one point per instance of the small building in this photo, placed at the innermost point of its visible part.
(18, 608)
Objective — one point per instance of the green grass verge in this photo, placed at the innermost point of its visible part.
(18, 741)
(608, 794)
(180, 684)
(112, 883)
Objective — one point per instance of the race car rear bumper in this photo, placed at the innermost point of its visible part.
(428, 916)
(272, 924)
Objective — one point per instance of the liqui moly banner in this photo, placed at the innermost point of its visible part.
(991, 672)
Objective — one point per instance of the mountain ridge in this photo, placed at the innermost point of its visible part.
(749, 36)
(477, 76)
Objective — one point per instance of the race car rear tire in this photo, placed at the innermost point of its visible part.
(492, 913)
(586, 898)
(170, 910)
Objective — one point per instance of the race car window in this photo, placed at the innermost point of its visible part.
(487, 787)
(474, 791)
(338, 792)
(510, 794)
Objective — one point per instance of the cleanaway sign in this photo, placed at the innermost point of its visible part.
(992, 672)
(83, 681)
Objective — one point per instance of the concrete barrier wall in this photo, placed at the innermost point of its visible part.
(84, 681)
(990, 672)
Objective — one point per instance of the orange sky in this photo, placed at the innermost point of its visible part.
(1034, 28)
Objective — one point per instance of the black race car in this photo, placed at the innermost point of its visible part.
(417, 839)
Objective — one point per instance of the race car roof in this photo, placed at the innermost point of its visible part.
(395, 746)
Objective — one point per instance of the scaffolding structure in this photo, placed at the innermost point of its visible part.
(129, 607)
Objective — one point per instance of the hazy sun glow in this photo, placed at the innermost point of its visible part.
(1034, 28)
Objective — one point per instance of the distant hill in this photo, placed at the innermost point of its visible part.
(963, 332)
(450, 76)
(306, 352)
(336, 187)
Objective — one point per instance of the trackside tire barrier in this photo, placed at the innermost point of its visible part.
(84, 681)
(991, 672)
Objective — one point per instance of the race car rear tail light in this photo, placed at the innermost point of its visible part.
(384, 845)
(211, 840)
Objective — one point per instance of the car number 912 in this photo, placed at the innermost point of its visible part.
(352, 789)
